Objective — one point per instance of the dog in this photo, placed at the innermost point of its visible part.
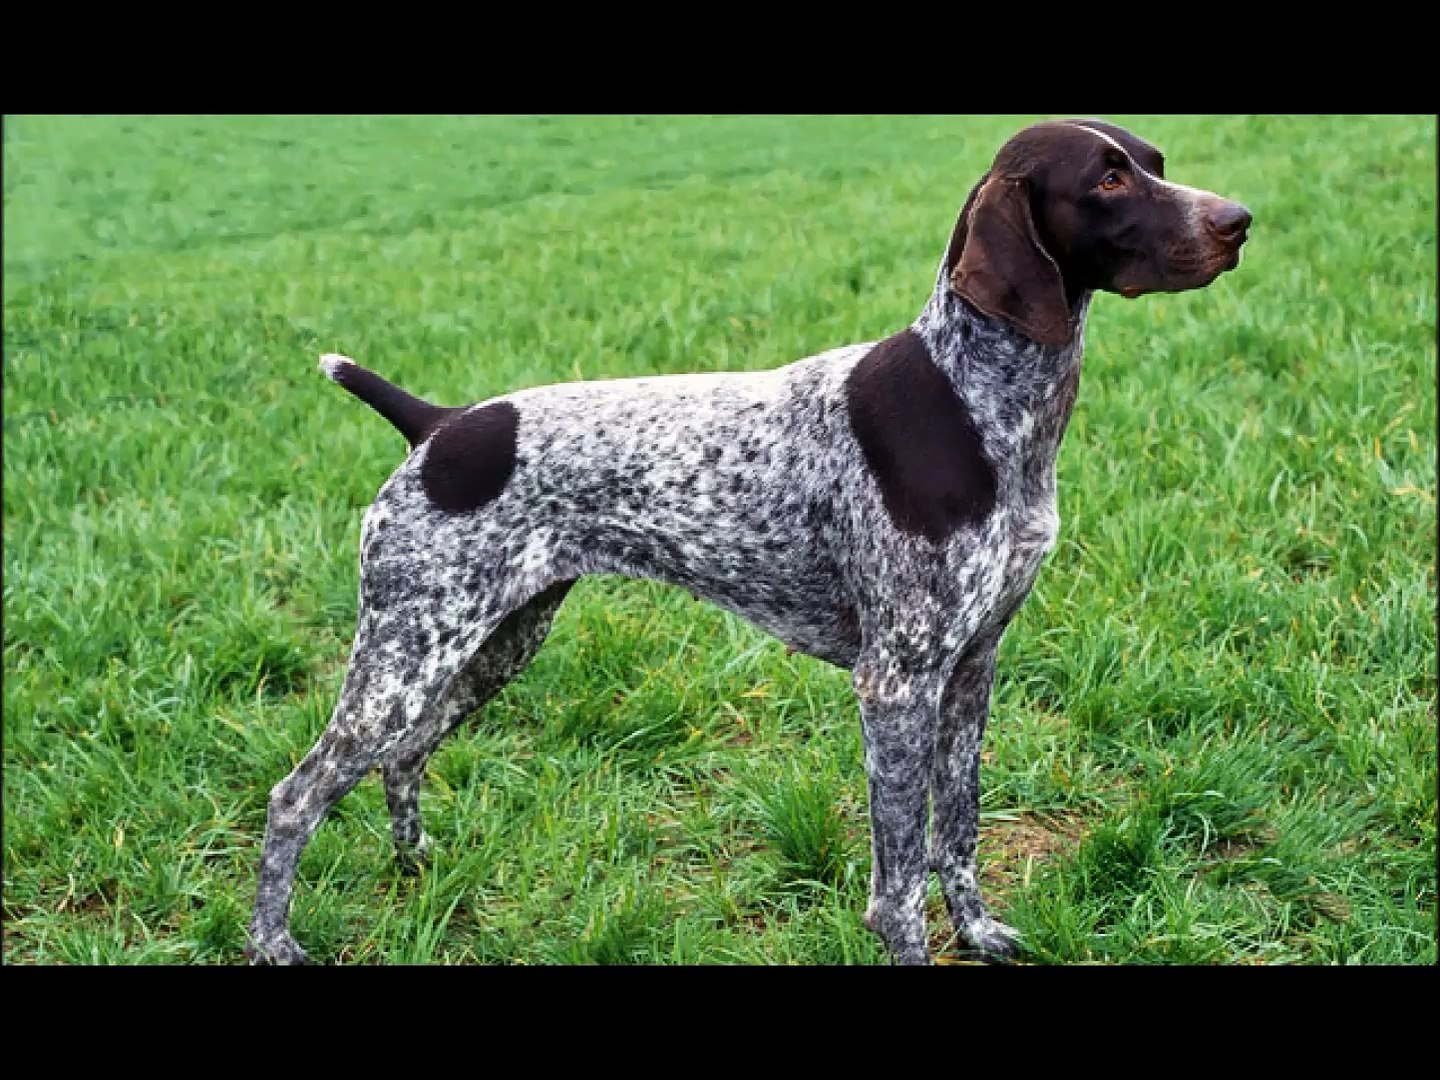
(884, 506)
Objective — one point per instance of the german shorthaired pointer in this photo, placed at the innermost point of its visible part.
(883, 506)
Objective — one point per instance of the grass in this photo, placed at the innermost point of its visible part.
(1214, 723)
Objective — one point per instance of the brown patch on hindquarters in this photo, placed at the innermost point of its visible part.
(918, 439)
(471, 457)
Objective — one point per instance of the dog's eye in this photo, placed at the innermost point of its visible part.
(1110, 181)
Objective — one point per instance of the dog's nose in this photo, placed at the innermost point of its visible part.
(1229, 220)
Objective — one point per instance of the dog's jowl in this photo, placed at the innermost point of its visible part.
(885, 507)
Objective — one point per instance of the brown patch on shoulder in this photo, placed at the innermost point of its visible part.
(471, 457)
(919, 440)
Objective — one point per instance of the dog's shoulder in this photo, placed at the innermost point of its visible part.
(918, 439)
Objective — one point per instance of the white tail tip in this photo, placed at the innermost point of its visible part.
(331, 363)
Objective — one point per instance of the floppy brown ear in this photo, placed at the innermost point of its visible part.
(1003, 269)
(962, 225)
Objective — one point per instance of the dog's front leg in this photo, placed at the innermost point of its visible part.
(955, 797)
(898, 706)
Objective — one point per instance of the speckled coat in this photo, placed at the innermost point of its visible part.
(883, 506)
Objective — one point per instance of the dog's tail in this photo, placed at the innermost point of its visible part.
(413, 417)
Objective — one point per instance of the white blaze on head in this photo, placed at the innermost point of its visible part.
(1194, 198)
(1117, 146)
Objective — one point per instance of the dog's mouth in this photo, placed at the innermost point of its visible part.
(1186, 272)
(1230, 253)
(1227, 261)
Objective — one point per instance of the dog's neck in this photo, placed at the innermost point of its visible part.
(1019, 393)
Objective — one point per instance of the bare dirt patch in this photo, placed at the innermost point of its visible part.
(1012, 850)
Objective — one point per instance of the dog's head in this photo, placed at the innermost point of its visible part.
(1079, 205)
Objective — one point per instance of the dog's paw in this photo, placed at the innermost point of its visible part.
(911, 956)
(903, 932)
(280, 950)
(413, 860)
(992, 941)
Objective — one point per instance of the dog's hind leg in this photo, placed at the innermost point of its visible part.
(407, 655)
(504, 654)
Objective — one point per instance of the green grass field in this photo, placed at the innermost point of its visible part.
(1213, 737)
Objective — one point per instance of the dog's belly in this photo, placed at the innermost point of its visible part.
(785, 586)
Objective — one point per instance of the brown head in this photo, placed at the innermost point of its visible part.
(1074, 206)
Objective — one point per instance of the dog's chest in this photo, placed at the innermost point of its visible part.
(1027, 536)
(1032, 534)
(1029, 510)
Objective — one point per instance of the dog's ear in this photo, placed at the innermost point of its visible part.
(962, 226)
(1002, 267)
